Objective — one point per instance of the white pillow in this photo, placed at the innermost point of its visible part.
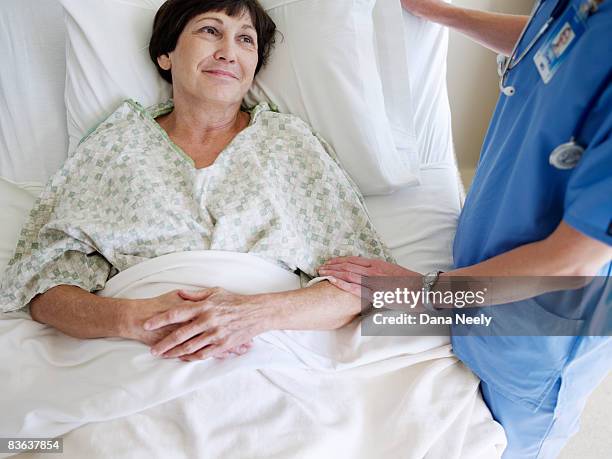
(33, 138)
(325, 71)
(107, 60)
(395, 74)
(16, 201)
(427, 49)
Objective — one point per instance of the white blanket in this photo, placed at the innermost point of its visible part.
(295, 394)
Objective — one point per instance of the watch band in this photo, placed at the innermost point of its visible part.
(429, 281)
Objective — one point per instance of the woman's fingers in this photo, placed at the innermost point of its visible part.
(211, 327)
(209, 351)
(172, 316)
(191, 346)
(237, 351)
(221, 347)
(195, 347)
(182, 341)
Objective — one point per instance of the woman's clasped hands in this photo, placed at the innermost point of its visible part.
(211, 322)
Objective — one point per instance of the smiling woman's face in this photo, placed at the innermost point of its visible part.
(215, 58)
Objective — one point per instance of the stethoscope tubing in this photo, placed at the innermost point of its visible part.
(515, 60)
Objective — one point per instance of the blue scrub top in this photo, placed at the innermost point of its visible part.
(517, 197)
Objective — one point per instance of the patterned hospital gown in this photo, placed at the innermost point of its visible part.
(129, 194)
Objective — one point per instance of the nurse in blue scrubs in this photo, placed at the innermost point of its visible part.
(540, 205)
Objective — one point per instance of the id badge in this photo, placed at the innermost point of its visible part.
(557, 47)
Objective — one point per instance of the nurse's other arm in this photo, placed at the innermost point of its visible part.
(567, 259)
(566, 252)
(498, 32)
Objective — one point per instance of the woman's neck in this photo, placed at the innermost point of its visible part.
(203, 130)
(202, 123)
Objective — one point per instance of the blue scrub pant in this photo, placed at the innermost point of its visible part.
(543, 432)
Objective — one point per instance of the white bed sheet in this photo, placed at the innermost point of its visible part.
(295, 394)
(418, 223)
(33, 133)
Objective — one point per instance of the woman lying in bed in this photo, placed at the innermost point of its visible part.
(193, 174)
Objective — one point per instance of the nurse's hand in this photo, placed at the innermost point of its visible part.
(351, 273)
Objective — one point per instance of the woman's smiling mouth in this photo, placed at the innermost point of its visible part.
(222, 74)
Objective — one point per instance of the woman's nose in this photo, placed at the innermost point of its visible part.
(226, 51)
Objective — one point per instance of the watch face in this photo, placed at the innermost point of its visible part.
(429, 278)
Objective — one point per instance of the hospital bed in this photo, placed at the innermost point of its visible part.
(295, 394)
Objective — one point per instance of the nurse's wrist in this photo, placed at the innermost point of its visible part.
(447, 282)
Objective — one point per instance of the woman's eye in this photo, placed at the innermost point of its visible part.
(247, 39)
(209, 29)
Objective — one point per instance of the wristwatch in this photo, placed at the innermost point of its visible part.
(429, 280)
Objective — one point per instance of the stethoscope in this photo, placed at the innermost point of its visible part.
(505, 64)
(567, 155)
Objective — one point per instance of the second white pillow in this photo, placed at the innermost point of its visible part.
(325, 69)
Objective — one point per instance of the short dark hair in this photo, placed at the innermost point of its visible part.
(174, 15)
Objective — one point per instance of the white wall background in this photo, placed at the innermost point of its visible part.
(473, 92)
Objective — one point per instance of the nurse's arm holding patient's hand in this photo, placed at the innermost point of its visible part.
(565, 253)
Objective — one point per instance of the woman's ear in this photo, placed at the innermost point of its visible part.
(164, 62)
